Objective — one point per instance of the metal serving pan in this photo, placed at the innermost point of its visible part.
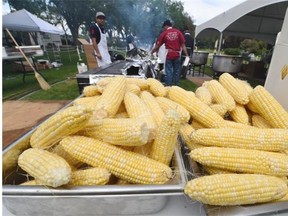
(193, 171)
(83, 200)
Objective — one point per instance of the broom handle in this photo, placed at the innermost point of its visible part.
(23, 54)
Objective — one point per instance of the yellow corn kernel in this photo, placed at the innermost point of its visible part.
(260, 122)
(269, 108)
(239, 114)
(133, 88)
(123, 164)
(212, 170)
(90, 91)
(142, 83)
(85, 100)
(137, 109)
(232, 124)
(242, 160)
(245, 86)
(63, 123)
(261, 139)
(185, 131)
(112, 96)
(235, 189)
(165, 141)
(58, 149)
(203, 94)
(219, 94)
(167, 104)
(234, 88)
(220, 109)
(126, 132)
(153, 106)
(156, 87)
(50, 169)
(197, 125)
(90, 176)
(199, 111)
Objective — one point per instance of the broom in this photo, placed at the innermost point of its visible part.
(42, 82)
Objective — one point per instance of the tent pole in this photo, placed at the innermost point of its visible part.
(220, 43)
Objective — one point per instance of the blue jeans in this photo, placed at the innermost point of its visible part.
(172, 71)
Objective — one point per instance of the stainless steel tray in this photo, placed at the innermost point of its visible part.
(84, 200)
(193, 171)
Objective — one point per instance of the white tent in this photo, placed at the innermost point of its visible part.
(23, 20)
(259, 19)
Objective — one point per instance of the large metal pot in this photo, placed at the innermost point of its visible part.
(226, 64)
(199, 58)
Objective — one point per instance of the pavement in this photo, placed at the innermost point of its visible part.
(20, 116)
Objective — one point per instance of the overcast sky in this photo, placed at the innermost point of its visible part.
(199, 10)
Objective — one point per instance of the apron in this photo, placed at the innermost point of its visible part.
(103, 49)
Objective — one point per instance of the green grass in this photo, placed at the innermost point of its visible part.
(187, 85)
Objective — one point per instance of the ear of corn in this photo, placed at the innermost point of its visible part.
(142, 83)
(50, 169)
(165, 142)
(91, 176)
(185, 131)
(91, 90)
(85, 100)
(260, 122)
(220, 109)
(239, 114)
(269, 108)
(212, 170)
(261, 139)
(144, 149)
(220, 95)
(153, 106)
(235, 189)
(197, 109)
(245, 86)
(63, 123)
(233, 124)
(167, 104)
(203, 94)
(126, 132)
(30, 183)
(156, 87)
(112, 96)
(242, 160)
(123, 164)
(137, 109)
(133, 88)
(235, 88)
(197, 125)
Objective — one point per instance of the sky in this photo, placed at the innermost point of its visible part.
(199, 10)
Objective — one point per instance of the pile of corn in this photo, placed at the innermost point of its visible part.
(128, 128)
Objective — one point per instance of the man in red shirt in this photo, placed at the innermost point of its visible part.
(174, 43)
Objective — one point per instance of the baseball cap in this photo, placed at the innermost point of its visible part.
(100, 14)
(167, 23)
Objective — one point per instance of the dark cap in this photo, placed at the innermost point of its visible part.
(100, 14)
(167, 23)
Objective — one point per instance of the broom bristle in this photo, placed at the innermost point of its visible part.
(42, 82)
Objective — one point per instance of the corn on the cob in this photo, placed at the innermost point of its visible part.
(167, 104)
(90, 176)
(112, 96)
(63, 123)
(133, 88)
(212, 170)
(239, 114)
(91, 90)
(269, 108)
(166, 139)
(251, 107)
(260, 122)
(126, 132)
(197, 125)
(137, 109)
(232, 124)
(30, 183)
(86, 100)
(153, 106)
(242, 160)
(203, 94)
(219, 94)
(142, 83)
(261, 139)
(245, 86)
(234, 88)
(156, 87)
(220, 109)
(197, 109)
(123, 164)
(185, 131)
(50, 169)
(144, 149)
(235, 189)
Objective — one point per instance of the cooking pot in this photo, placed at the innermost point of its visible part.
(199, 58)
(226, 64)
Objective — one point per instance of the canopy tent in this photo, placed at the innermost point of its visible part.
(23, 20)
(252, 19)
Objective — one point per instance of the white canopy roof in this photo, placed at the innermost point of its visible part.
(260, 19)
(23, 20)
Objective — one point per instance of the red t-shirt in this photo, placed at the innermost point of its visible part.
(173, 39)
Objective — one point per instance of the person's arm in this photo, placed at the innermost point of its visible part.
(184, 49)
(95, 46)
(95, 37)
